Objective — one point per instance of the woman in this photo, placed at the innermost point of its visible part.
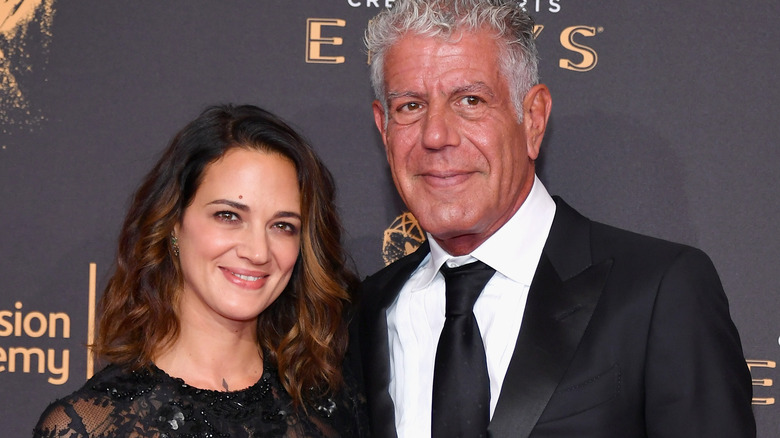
(225, 315)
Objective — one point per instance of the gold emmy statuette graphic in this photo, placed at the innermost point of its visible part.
(18, 19)
(402, 237)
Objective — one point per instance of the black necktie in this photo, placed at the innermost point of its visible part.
(461, 387)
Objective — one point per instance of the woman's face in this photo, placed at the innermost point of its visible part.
(240, 237)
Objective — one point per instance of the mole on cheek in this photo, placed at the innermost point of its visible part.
(240, 196)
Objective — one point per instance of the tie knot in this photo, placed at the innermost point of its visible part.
(463, 286)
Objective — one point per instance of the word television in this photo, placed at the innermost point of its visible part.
(23, 329)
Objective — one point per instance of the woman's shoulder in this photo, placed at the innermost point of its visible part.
(86, 410)
(66, 416)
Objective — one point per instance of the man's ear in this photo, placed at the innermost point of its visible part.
(536, 106)
(379, 120)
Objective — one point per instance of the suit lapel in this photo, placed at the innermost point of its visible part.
(561, 300)
(378, 292)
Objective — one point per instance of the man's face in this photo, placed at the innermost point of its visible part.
(460, 160)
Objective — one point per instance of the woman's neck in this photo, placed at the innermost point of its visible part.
(222, 356)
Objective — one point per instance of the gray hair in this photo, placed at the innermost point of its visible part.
(513, 27)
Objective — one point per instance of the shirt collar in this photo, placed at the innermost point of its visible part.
(514, 250)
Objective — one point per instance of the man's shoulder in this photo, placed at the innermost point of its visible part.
(624, 240)
(647, 255)
(609, 241)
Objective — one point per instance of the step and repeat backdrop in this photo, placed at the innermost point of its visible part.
(665, 121)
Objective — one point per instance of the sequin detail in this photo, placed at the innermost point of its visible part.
(150, 403)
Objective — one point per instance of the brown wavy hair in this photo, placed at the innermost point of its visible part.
(304, 331)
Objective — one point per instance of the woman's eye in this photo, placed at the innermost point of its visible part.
(286, 227)
(226, 216)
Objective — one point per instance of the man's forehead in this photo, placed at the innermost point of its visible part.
(418, 63)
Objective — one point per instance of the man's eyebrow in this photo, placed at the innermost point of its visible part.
(476, 87)
(229, 203)
(399, 94)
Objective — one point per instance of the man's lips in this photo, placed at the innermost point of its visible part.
(445, 178)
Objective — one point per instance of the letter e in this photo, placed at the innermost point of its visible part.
(315, 40)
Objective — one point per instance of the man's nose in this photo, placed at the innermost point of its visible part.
(439, 128)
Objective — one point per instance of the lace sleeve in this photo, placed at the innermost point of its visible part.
(74, 417)
(59, 420)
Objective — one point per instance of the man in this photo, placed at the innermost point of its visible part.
(587, 330)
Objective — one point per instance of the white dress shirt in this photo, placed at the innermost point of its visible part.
(416, 318)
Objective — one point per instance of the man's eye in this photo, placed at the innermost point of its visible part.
(471, 100)
(411, 106)
(406, 113)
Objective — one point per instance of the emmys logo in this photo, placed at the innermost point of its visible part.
(402, 237)
(18, 20)
(322, 32)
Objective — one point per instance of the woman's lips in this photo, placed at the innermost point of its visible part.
(245, 278)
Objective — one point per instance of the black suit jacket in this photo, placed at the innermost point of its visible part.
(623, 336)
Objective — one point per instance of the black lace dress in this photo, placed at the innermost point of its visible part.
(150, 403)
